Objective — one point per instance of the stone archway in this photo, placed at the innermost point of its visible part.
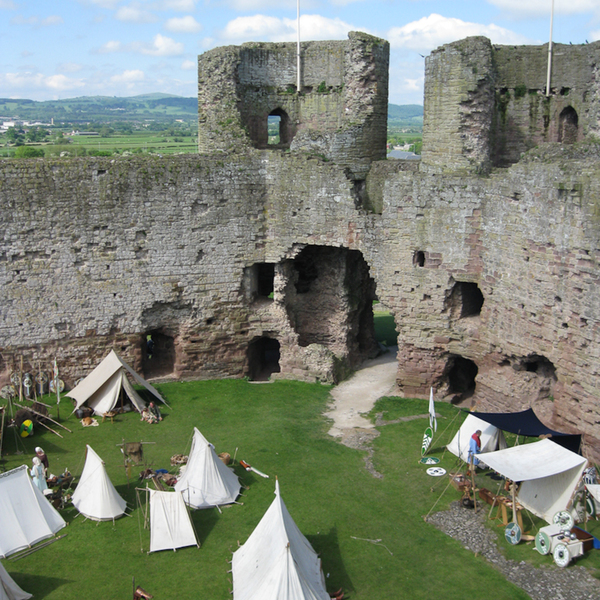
(568, 125)
(158, 354)
(279, 129)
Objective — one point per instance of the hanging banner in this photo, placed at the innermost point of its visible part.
(427, 437)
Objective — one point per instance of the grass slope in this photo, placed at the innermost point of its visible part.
(279, 428)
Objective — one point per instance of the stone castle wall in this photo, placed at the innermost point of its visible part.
(492, 279)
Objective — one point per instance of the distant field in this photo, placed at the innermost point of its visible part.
(143, 141)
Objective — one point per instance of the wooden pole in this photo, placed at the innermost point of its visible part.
(49, 419)
(50, 429)
(472, 469)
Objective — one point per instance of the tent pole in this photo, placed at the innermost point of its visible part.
(472, 469)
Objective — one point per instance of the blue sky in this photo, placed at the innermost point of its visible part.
(61, 49)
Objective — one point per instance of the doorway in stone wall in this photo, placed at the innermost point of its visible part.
(329, 300)
(158, 354)
(460, 373)
(263, 358)
(568, 124)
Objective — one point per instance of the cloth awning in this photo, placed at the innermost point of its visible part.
(526, 423)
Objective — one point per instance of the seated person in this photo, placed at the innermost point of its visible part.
(154, 412)
(151, 414)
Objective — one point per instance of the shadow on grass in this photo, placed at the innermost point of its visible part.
(328, 548)
(204, 521)
(39, 586)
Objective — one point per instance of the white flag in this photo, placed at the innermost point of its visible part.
(432, 419)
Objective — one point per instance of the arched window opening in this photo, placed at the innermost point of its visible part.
(263, 358)
(419, 258)
(158, 354)
(259, 281)
(274, 127)
(568, 124)
(279, 129)
(465, 300)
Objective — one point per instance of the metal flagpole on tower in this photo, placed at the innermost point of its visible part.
(550, 52)
(298, 48)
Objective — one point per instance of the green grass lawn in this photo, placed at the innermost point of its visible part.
(279, 428)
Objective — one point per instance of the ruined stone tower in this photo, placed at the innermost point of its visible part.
(340, 112)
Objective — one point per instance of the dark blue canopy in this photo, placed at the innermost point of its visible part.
(526, 423)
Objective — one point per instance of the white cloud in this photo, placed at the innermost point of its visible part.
(70, 67)
(520, 8)
(189, 65)
(252, 5)
(102, 3)
(7, 5)
(39, 81)
(112, 46)
(428, 33)
(36, 21)
(129, 77)
(185, 24)
(272, 29)
(177, 5)
(595, 35)
(134, 14)
(160, 46)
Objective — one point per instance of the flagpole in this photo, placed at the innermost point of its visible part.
(298, 47)
(550, 52)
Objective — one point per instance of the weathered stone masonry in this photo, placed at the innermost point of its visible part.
(242, 253)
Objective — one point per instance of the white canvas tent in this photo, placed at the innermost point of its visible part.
(26, 517)
(277, 562)
(95, 496)
(550, 475)
(207, 481)
(491, 438)
(9, 590)
(101, 389)
(170, 523)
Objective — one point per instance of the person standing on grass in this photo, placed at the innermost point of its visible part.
(43, 459)
(38, 475)
(474, 448)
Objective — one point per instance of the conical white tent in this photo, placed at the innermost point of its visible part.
(101, 389)
(170, 523)
(277, 562)
(26, 517)
(207, 481)
(95, 496)
(549, 474)
(491, 438)
(9, 590)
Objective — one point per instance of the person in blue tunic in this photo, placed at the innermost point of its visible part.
(38, 474)
(474, 448)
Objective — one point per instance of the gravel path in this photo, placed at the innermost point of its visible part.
(544, 583)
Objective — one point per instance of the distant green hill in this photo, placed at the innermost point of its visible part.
(406, 115)
(145, 107)
(102, 109)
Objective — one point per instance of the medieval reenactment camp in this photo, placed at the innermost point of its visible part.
(302, 361)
